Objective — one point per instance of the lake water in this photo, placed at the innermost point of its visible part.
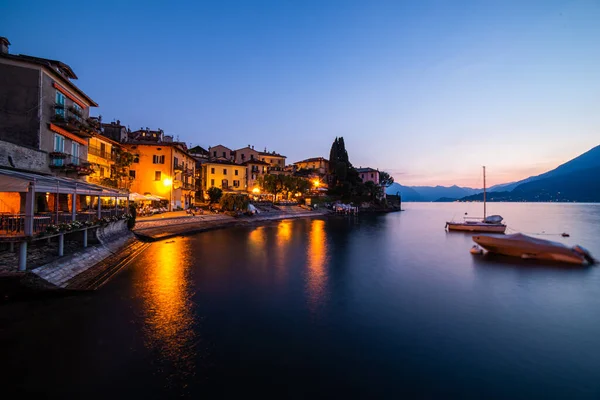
(372, 307)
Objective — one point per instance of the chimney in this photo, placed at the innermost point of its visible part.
(4, 43)
(118, 122)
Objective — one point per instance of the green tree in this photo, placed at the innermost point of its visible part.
(234, 202)
(214, 194)
(385, 179)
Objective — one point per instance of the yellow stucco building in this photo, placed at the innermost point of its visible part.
(101, 154)
(225, 175)
(164, 169)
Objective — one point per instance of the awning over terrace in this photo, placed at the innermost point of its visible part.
(17, 181)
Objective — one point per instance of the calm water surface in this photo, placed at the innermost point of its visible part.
(375, 307)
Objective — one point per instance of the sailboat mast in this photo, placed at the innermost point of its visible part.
(484, 195)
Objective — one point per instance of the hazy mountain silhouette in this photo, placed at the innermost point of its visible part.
(589, 159)
(432, 193)
(576, 180)
(407, 193)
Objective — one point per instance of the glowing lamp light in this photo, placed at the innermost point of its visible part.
(256, 190)
(316, 183)
(167, 181)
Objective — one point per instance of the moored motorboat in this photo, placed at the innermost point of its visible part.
(527, 247)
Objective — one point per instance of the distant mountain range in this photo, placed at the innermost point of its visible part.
(577, 180)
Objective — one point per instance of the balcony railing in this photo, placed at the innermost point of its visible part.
(178, 167)
(98, 152)
(68, 163)
(72, 121)
(104, 181)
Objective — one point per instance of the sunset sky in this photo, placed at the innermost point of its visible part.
(427, 90)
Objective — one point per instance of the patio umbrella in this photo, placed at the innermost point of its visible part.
(136, 197)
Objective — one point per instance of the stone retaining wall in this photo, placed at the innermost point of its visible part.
(112, 238)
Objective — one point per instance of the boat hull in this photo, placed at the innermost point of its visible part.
(529, 250)
(476, 227)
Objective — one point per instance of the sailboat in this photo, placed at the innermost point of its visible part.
(490, 224)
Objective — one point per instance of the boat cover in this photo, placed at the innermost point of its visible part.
(493, 219)
(517, 238)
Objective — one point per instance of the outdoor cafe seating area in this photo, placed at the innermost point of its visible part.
(30, 203)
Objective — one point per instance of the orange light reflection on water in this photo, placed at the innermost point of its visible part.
(316, 257)
(168, 305)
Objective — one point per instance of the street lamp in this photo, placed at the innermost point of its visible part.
(169, 182)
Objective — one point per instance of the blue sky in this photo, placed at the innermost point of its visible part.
(428, 90)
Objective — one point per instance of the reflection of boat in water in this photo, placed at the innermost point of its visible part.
(523, 246)
(491, 224)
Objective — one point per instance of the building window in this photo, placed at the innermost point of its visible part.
(78, 113)
(252, 156)
(158, 159)
(101, 172)
(224, 171)
(212, 171)
(59, 143)
(224, 155)
(236, 183)
(157, 175)
(132, 174)
(175, 161)
(371, 176)
(75, 153)
(136, 159)
(253, 177)
(214, 154)
(243, 157)
(224, 184)
(236, 172)
(212, 182)
(279, 162)
(60, 104)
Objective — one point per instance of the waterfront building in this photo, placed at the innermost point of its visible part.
(368, 174)
(44, 118)
(246, 154)
(255, 169)
(102, 153)
(319, 165)
(162, 167)
(223, 174)
(115, 131)
(275, 160)
(221, 152)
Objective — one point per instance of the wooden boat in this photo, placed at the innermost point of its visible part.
(491, 224)
(527, 247)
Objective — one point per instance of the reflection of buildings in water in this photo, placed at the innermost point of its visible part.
(284, 237)
(316, 260)
(257, 244)
(168, 305)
